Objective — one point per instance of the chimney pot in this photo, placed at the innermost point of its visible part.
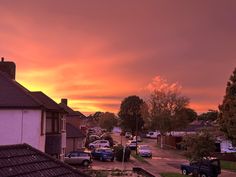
(64, 101)
(8, 67)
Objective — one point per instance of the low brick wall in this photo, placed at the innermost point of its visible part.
(170, 141)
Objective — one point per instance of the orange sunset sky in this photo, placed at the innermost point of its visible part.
(97, 52)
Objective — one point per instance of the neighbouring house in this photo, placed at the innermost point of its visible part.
(23, 119)
(223, 144)
(29, 117)
(75, 118)
(172, 139)
(23, 160)
(55, 144)
(75, 138)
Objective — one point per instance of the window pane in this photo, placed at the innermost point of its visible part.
(48, 125)
(56, 125)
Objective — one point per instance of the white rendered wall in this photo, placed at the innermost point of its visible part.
(21, 126)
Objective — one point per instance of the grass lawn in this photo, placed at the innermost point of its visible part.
(227, 165)
(172, 175)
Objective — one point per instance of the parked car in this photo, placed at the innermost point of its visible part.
(128, 134)
(78, 158)
(139, 139)
(99, 143)
(144, 151)
(132, 144)
(152, 134)
(207, 167)
(103, 154)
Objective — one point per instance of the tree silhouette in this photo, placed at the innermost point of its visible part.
(131, 113)
(227, 116)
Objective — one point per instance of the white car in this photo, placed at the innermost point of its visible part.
(152, 134)
(99, 143)
(131, 144)
(144, 151)
(139, 139)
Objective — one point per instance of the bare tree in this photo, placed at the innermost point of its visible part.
(167, 107)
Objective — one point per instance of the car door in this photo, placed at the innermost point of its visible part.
(97, 153)
(72, 158)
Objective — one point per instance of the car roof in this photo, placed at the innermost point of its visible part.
(144, 145)
(104, 148)
(79, 151)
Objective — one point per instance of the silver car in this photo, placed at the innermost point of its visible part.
(144, 151)
(78, 158)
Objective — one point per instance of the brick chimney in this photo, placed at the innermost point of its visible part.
(8, 67)
(64, 101)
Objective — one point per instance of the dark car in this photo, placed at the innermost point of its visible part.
(207, 167)
(78, 158)
(103, 154)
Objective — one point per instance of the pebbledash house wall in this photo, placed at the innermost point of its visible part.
(19, 126)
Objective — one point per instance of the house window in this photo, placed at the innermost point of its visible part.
(52, 125)
(63, 124)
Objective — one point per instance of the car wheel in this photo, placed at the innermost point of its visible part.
(91, 147)
(203, 175)
(85, 163)
(184, 171)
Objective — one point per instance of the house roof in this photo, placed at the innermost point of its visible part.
(46, 101)
(73, 132)
(14, 95)
(23, 160)
(71, 112)
(196, 126)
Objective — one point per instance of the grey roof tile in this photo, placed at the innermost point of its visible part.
(71, 112)
(25, 161)
(46, 101)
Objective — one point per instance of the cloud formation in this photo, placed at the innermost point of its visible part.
(106, 50)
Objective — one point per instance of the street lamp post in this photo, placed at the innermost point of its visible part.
(136, 135)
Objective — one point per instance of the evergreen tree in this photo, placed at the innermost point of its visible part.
(227, 116)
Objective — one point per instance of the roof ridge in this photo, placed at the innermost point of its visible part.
(21, 88)
(40, 93)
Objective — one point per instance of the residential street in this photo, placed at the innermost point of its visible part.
(162, 160)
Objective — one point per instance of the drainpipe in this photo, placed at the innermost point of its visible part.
(22, 125)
